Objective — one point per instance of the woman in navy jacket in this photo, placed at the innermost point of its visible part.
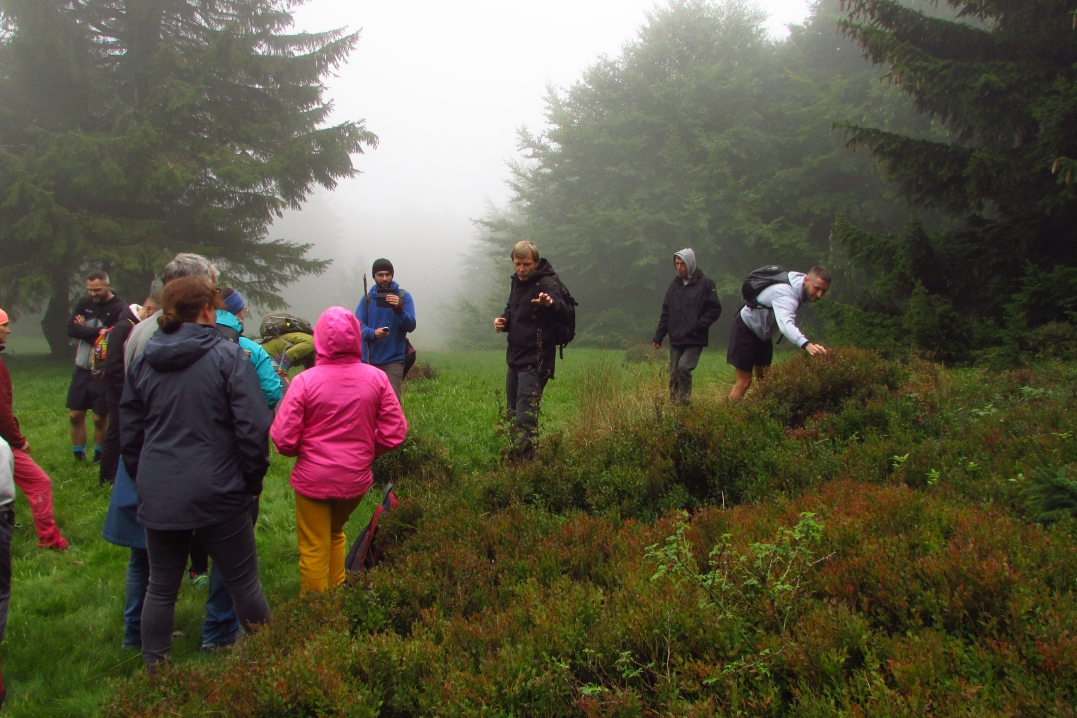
(194, 432)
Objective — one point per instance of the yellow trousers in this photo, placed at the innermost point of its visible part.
(322, 546)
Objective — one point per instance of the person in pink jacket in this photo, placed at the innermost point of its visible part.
(336, 417)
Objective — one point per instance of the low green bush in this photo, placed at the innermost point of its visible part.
(860, 542)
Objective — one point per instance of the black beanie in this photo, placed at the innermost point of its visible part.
(382, 265)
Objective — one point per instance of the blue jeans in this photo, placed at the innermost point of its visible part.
(221, 626)
(138, 578)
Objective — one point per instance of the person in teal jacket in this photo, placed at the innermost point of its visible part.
(230, 325)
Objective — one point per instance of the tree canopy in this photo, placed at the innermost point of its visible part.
(134, 129)
(1000, 80)
(705, 133)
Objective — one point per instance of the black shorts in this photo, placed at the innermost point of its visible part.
(746, 350)
(86, 392)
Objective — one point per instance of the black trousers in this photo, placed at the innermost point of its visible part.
(524, 388)
(231, 546)
(110, 452)
(7, 526)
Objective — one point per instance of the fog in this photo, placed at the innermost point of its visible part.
(445, 86)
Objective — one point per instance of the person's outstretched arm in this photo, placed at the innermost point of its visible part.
(785, 314)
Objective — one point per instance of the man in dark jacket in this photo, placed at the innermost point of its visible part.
(114, 379)
(535, 308)
(93, 315)
(690, 307)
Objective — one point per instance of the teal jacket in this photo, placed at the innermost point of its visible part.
(263, 365)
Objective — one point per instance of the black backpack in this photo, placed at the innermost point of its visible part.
(759, 280)
(565, 331)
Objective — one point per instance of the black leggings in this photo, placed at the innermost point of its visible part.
(232, 547)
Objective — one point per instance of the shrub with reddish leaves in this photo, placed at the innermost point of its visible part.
(922, 586)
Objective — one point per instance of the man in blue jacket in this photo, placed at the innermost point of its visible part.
(387, 314)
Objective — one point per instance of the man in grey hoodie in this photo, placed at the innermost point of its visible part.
(690, 307)
(750, 345)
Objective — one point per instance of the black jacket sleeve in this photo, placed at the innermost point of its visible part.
(663, 321)
(559, 308)
(114, 368)
(132, 422)
(81, 331)
(250, 417)
(712, 308)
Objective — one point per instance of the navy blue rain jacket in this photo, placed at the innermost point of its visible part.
(194, 430)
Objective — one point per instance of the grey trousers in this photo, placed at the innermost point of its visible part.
(395, 372)
(231, 546)
(682, 362)
(523, 389)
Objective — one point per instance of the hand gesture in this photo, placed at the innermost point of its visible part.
(392, 300)
(544, 300)
(657, 345)
(815, 349)
(80, 320)
(381, 333)
(499, 324)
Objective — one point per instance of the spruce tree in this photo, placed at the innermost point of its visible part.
(999, 83)
(134, 129)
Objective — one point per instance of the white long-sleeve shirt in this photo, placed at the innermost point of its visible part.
(778, 312)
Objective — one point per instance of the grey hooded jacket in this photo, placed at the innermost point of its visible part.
(194, 430)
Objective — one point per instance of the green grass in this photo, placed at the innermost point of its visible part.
(62, 650)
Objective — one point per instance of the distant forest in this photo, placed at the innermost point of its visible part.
(922, 151)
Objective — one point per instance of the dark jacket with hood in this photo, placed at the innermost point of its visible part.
(526, 322)
(689, 309)
(194, 430)
(114, 369)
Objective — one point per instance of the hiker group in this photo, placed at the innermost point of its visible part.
(183, 406)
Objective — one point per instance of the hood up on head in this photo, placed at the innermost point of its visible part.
(185, 346)
(338, 336)
(688, 256)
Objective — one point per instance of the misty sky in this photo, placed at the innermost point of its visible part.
(445, 86)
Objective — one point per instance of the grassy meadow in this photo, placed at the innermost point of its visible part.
(62, 654)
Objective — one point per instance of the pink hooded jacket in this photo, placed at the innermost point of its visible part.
(338, 415)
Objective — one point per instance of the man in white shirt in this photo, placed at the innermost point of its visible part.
(751, 347)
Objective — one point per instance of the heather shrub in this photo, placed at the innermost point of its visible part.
(860, 544)
(797, 389)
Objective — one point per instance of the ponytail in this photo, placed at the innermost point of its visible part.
(183, 299)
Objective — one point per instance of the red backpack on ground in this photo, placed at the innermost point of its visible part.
(363, 554)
